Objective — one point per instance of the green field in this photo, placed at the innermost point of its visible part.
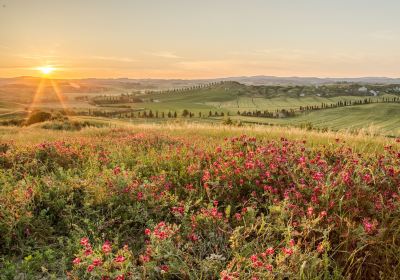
(372, 118)
(230, 97)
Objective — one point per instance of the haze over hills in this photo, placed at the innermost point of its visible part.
(138, 84)
(271, 80)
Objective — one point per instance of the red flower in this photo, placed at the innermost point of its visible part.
(310, 211)
(270, 251)
(90, 268)
(97, 262)
(238, 216)
(119, 259)
(88, 251)
(145, 258)
(287, 251)
(85, 241)
(193, 237)
(76, 261)
(106, 247)
(369, 227)
(318, 176)
(147, 231)
(164, 268)
(117, 170)
(120, 277)
(254, 258)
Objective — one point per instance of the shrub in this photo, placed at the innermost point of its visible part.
(37, 117)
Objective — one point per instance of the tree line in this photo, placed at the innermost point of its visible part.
(286, 113)
(150, 114)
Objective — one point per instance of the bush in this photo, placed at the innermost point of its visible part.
(37, 117)
(70, 125)
(12, 122)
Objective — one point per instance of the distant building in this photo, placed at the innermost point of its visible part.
(363, 89)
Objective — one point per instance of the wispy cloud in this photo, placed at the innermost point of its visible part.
(114, 58)
(4, 47)
(36, 57)
(165, 54)
(385, 35)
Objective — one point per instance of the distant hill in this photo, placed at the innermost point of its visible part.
(157, 84)
(272, 80)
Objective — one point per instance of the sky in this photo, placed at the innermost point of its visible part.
(200, 38)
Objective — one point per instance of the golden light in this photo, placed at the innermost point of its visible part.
(45, 83)
(46, 70)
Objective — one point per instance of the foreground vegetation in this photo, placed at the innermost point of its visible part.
(198, 202)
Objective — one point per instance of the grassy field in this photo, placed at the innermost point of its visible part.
(230, 97)
(359, 142)
(375, 119)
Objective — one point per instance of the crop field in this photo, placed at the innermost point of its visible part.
(189, 201)
(375, 119)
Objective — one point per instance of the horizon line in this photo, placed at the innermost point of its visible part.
(214, 78)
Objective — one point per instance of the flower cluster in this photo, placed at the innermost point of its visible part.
(101, 262)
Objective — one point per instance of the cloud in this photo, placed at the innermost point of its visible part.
(114, 58)
(165, 54)
(386, 35)
(35, 56)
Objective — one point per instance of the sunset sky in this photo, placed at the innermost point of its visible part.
(200, 39)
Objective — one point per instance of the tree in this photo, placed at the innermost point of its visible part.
(185, 113)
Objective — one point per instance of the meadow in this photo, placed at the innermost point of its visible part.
(197, 201)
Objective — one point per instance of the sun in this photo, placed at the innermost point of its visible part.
(46, 70)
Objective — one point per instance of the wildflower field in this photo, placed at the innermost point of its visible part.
(151, 202)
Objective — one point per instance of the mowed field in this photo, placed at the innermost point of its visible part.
(381, 119)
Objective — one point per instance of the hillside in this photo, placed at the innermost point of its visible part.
(334, 106)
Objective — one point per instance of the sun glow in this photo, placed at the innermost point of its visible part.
(46, 83)
(46, 70)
